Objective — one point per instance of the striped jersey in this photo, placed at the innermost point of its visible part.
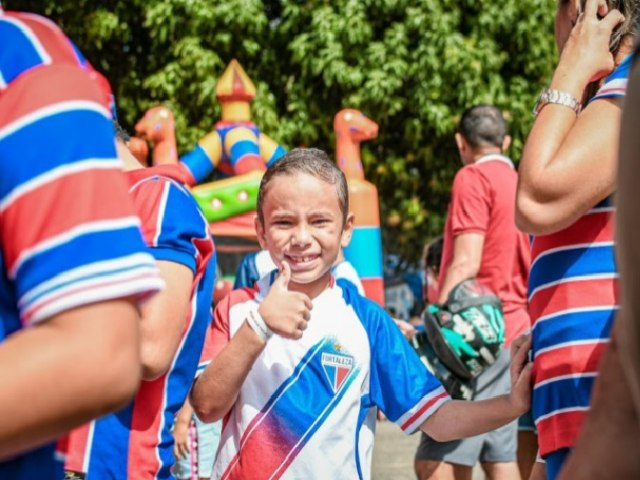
(69, 235)
(573, 297)
(307, 408)
(136, 442)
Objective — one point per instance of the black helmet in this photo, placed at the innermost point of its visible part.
(456, 387)
(468, 332)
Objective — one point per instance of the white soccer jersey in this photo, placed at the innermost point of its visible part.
(308, 407)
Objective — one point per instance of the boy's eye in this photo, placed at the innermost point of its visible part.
(282, 223)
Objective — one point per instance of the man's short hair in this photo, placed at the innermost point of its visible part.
(483, 125)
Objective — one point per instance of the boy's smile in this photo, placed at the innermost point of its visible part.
(303, 226)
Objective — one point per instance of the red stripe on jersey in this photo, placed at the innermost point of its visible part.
(77, 448)
(577, 293)
(559, 431)
(204, 248)
(146, 426)
(29, 92)
(147, 203)
(423, 409)
(568, 360)
(45, 223)
(591, 228)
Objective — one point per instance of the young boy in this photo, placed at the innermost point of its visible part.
(301, 363)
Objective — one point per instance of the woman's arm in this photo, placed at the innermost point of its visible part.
(569, 162)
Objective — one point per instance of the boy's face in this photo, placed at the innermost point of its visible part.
(303, 226)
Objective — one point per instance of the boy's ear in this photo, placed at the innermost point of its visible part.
(260, 232)
(347, 230)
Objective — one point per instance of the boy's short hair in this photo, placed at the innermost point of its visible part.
(311, 161)
(483, 125)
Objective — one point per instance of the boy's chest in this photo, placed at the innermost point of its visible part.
(331, 359)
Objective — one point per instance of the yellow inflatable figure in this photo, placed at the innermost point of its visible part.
(235, 146)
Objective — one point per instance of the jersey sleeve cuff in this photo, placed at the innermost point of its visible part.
(416, 416)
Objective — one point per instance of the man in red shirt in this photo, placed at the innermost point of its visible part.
(481, 241)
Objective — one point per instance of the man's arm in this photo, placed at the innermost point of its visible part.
(467, 257)
(457, 419)
(163, 320)
(40, 403)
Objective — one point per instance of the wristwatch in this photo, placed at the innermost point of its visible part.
(549, 95)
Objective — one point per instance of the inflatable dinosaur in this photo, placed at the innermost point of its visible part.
(365, 250)
(158, 127)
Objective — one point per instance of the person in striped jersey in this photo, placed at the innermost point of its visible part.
(301, 362)
(567, 177)
(136, 442)
(74, 265)
(608, 443)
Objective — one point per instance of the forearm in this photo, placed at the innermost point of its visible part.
(163, 320)
(65, 372)
(185, 413)
(215, 391)
(457, 272)
(457, 419)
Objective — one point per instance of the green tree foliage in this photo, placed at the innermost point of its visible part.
(412, 66)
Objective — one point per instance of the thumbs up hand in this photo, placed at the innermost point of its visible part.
(286, 313)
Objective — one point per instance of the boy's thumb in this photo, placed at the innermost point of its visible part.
(285, 274)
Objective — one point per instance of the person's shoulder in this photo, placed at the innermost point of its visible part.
(469, 175)
(365, 308)
(235, 297)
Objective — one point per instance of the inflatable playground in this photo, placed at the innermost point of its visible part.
(239, 152)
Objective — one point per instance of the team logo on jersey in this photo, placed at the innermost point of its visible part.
(337, 368)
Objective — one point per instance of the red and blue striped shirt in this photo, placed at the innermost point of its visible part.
(573, 297)
(136, 442)
(69, 234)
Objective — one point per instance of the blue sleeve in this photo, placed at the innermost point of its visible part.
(247, 272)
(173, 223)
(400, 384)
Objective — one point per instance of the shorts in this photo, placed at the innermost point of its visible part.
(497, 446)
(207, 439)
(526, 424)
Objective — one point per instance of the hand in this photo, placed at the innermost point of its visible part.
(586, 56)
(286, 313)
(521, 373)
(181, 439)
(406, 328)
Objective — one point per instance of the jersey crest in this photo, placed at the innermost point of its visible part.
(336, 365)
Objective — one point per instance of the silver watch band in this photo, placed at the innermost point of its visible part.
(557, 97)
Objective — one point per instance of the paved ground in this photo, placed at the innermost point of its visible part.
(393, 454)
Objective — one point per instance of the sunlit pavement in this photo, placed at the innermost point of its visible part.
(393, 454)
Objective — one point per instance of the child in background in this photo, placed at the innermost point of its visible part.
(302, 362)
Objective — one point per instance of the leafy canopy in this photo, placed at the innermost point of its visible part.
(412, 66)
